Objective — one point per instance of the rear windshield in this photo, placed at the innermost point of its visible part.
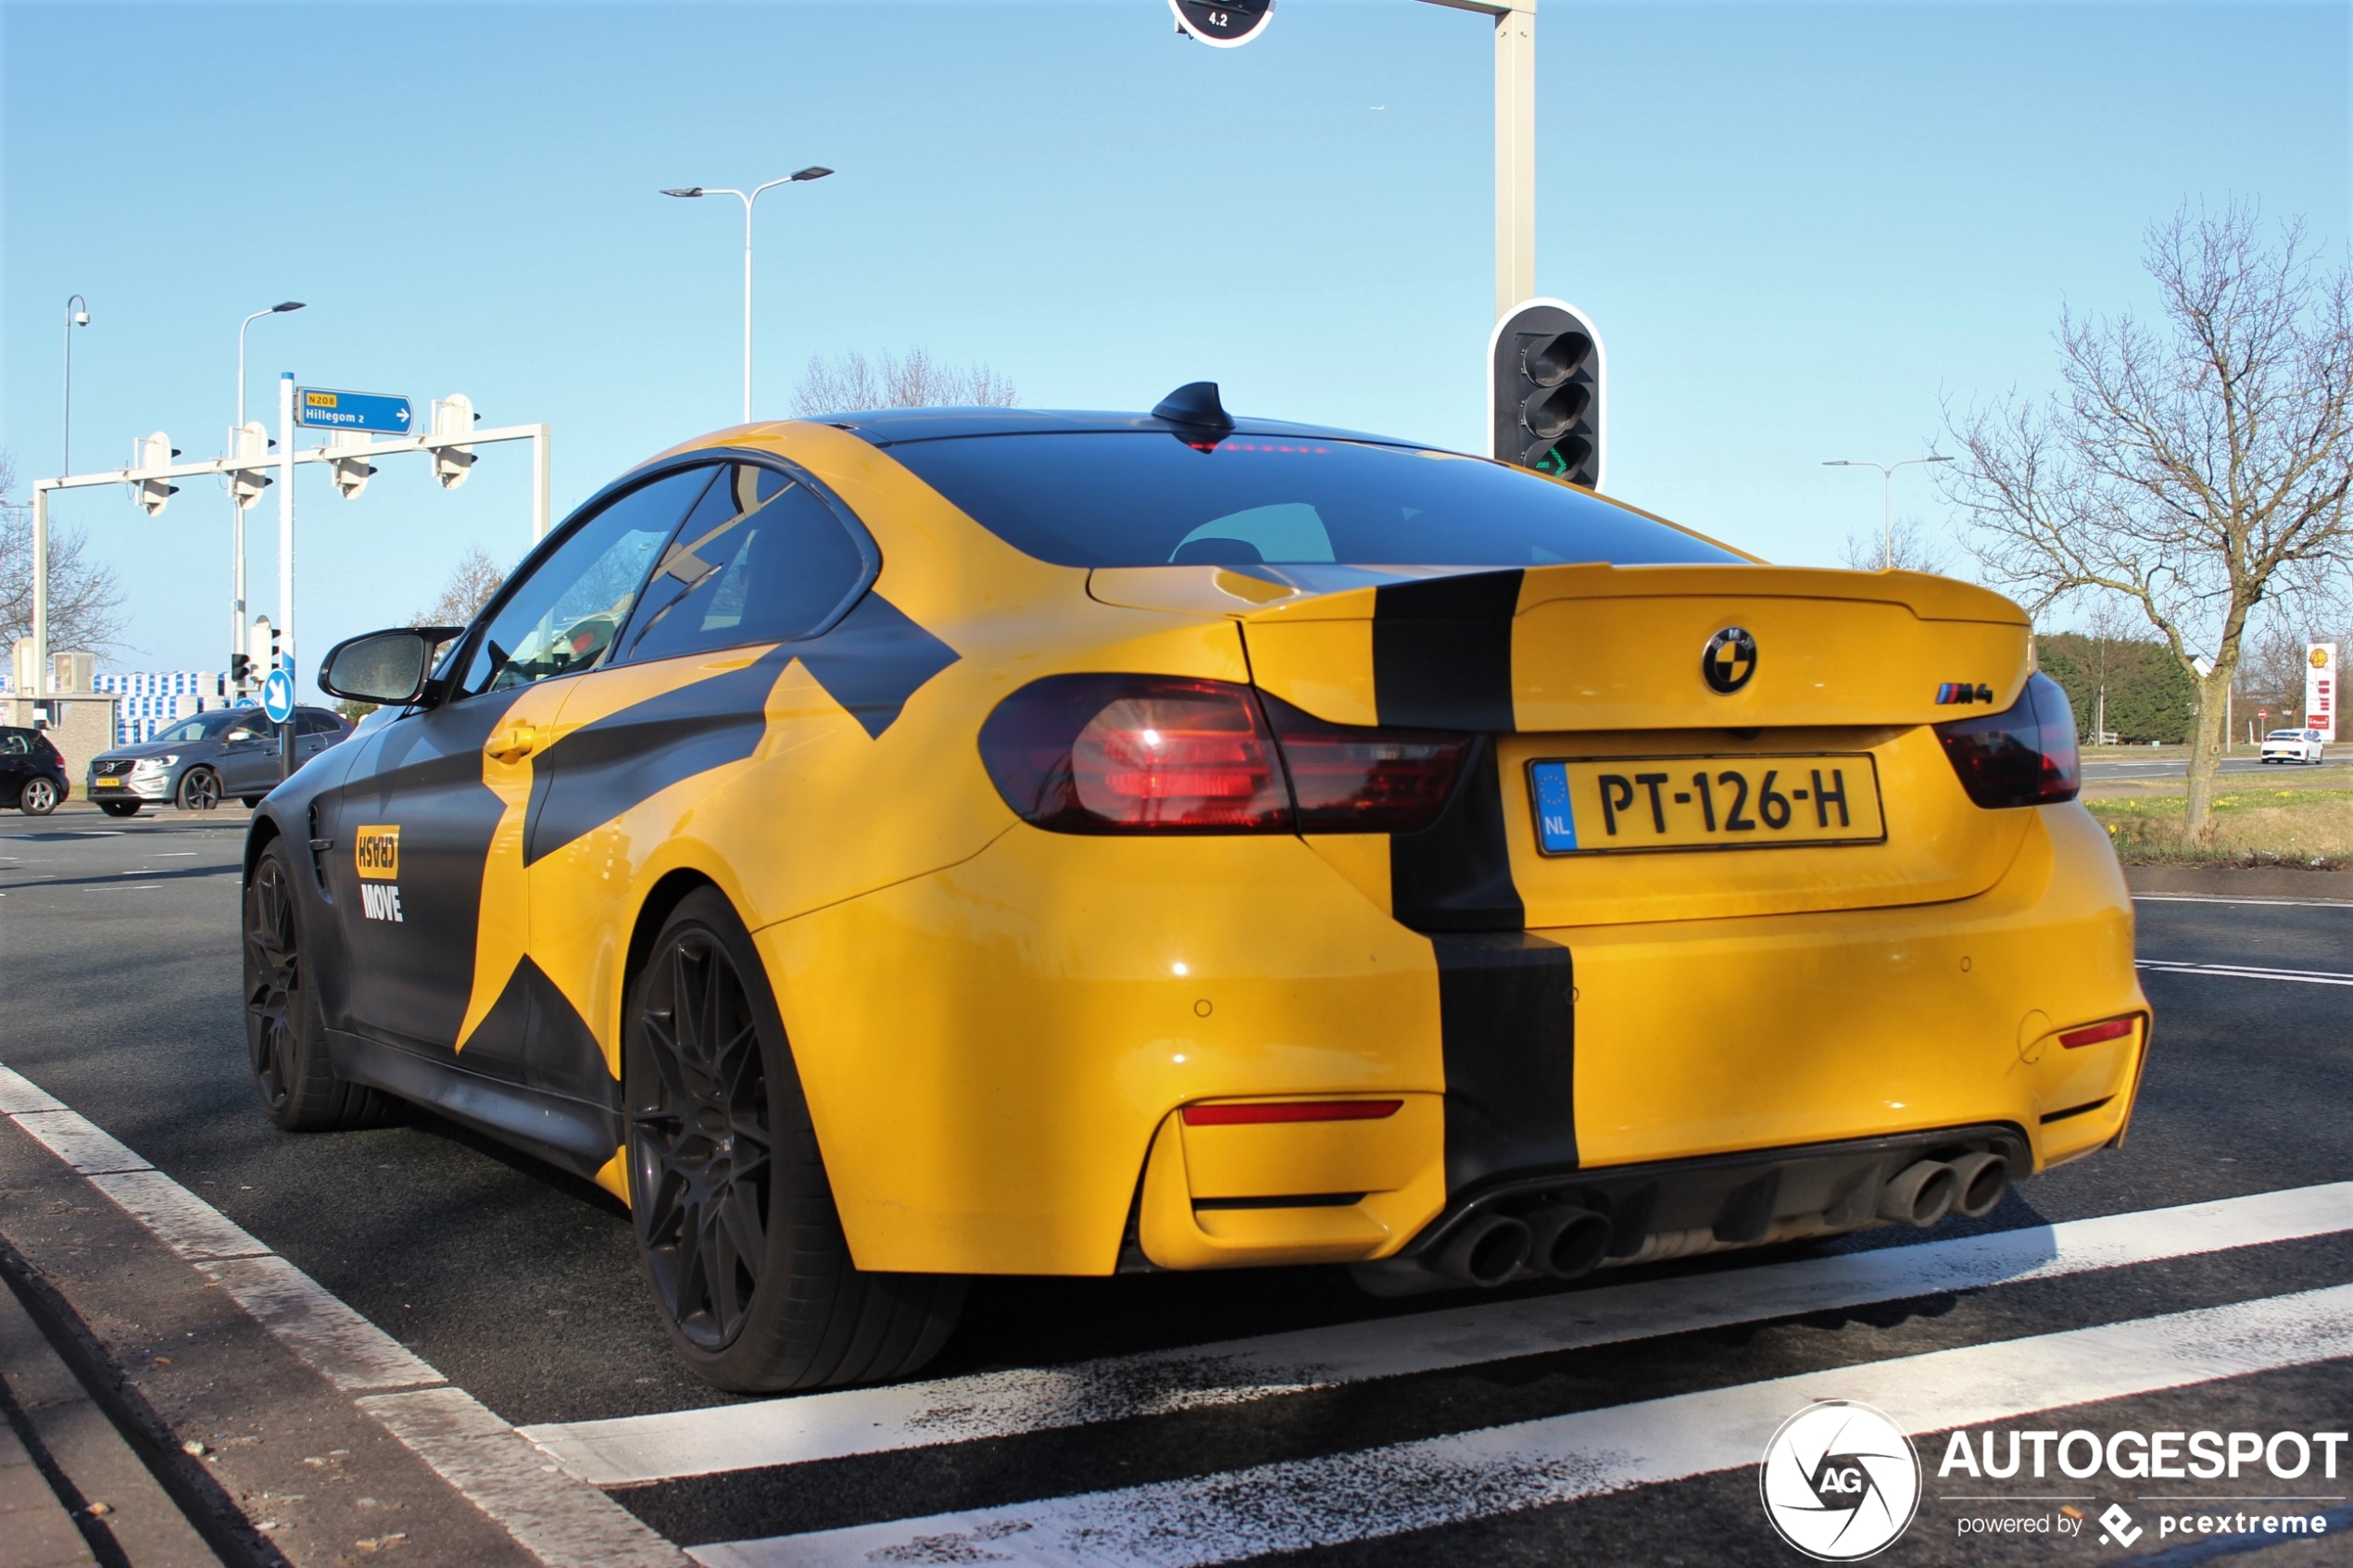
(1144, 498)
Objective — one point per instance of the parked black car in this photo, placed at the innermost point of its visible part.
(33, 772)
(198, 761)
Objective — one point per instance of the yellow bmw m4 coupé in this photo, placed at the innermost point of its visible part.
(935, 843)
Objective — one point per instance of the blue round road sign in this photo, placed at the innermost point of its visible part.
(278, 696)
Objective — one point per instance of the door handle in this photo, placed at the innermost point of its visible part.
(518, 742)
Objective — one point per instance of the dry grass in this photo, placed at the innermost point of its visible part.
(2295, 826)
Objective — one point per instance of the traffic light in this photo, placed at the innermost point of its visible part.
(1545, 363)
(452, 416)
(351, 474)
(239, 671)
(261, 648)
(249, 445)
(153, 452)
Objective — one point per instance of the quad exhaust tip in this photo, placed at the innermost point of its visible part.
(1981, 1181)
(1920, 1194)
(1486, 1251)
(1567, 1242)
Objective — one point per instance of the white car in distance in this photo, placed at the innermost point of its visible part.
(2292, 745)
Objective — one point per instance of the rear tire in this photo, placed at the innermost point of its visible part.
(38, 797)
(285, 1034)
(120, 808)
(736, 1219)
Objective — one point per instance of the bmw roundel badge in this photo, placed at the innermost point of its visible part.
(1730, 660)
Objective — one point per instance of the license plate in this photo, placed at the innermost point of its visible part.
(1621, 803)
(110, 783)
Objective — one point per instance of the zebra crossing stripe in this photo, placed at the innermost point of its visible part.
(637, 1449)
(2246, 971)
(1417, 1486)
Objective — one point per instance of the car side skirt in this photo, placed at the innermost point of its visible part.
(576, 1135)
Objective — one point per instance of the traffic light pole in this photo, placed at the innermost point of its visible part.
(286, 560)
(540, 436)
(1514, 145)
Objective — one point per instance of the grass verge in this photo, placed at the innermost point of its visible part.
(2251, 827)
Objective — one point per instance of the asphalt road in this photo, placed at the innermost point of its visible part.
(118, 945)
(2176, 764)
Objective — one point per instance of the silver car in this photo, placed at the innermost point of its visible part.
(230, 753)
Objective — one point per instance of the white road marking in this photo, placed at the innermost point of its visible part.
(2247, 971)
(2225, 899)
(551, 1516)
(635, 1449)
(1386, 1491)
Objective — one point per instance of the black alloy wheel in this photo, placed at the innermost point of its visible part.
(199, 790)
(752, 1275)
(273, 982)
(38, 798)
(699, 1150)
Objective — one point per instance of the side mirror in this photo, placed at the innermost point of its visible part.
(389, 668)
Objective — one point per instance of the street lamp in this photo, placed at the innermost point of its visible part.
(1887, 471)
(238, 521)
(690, 191)
(77, 314)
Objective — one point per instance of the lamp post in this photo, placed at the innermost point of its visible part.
(690, 191)
(237, 521)
(1887, 471)
(77, 314)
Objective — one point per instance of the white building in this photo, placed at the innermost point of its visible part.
(151, 700)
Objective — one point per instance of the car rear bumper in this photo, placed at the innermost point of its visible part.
(998, 1054)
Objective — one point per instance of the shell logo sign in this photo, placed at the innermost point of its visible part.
(2320, 689)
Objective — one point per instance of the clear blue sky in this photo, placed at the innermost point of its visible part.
(1800, 228)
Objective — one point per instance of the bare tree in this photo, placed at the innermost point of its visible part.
(471, 581)
(911, 381)
(1916, 550)
(2192, 468)
(85, 601)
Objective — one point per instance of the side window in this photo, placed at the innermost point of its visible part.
(315, 724)
(562, 617)
(14, 744)
(762, 559)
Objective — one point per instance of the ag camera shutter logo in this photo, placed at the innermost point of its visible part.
(1839, 1481)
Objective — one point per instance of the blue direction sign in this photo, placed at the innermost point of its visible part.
(278, 696)
(318, 409)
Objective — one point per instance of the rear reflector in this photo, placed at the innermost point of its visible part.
(2093, 1034)
(1291, 1110)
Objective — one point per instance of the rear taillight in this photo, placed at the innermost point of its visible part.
(2024, 755)
(1158, 754)
(1347, 778)
(1136, 754)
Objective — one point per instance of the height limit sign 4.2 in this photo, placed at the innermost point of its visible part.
(1237, 22)
(318, 409)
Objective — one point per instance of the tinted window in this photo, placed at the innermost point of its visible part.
(13, 744)
(562, 617)
(761, 558)
(1134, 498)
(309, 723)
(213, 725)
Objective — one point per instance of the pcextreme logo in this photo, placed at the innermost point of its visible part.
(1839, 1481)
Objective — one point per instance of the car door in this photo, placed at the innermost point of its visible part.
(247, 755)
(761, 571)
(315, 730)
(422, 862)
(16, 764)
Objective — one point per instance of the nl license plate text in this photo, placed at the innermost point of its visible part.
(1585, 807)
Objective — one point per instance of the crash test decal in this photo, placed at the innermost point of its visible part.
(1842, 1482)
(1839, 1481)
(376, 852)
